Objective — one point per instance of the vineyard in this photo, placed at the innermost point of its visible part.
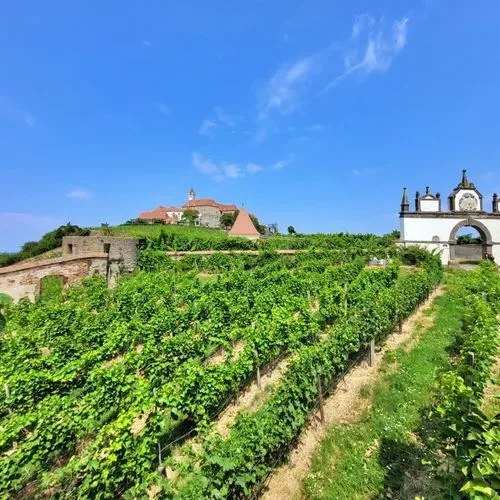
(118, 392)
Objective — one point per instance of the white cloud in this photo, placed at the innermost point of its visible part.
(163, 108)
(317, 127)
(207, 128)
(362, 22)
(29, 119)
(79, 194)
(280, 164)
(363, 171)
(253, 168)
(224, 117)
(232, 171)
(400, 30)
(204, 165)
(146, 43)
(371, 47)
(282, 92)
(227, 171)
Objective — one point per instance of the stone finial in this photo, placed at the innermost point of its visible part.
(405, 204)
(495, 203)
(427, 189)
(438, 196)
(465, 181)
(417, 201)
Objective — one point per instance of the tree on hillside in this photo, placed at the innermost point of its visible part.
(227, 220)
(190, 217)
(291, 230)
(260, 227)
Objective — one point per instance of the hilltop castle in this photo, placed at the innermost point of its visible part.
(209, 211)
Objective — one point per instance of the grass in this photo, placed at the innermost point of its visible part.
(379, 455)
(491, 400)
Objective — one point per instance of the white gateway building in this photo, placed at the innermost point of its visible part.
(431, 227)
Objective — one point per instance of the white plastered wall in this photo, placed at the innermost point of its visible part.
(422, 232)
(429, 205)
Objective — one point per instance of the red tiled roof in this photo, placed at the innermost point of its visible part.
(243, 225)
(174, 209)
(227, 208)
(160, 213)
(207, 202)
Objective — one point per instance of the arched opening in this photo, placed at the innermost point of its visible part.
(470, 241)
(51, 286)
(5, 302)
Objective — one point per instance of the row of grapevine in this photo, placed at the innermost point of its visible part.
(169, 240)
(91, 354)
(234, 466)
(197, 390)
(457, 432)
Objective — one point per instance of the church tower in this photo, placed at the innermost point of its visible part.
(192, 195)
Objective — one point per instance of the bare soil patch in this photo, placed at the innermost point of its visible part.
(252, 397)
(344, 405)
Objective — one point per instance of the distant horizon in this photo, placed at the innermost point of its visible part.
(312, 114)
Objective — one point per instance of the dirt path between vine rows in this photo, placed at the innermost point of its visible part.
(344, 405)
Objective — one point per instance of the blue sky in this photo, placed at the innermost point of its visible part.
(312, 113)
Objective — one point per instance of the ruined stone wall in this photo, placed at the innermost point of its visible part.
(122, 252)
(23, 280)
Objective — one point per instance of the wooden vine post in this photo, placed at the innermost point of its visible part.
(372, 352)
(320, 399)
(257, 361)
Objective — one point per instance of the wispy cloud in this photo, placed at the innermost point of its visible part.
(279, 165)
(225, 117)
(163, 108)
(79, 194)
(363, 172)
(232, 171)
(225, 171)
(372, 47)
(317, 127)
(207, 127)
(205, 165)
(146, 43)
(28, 119)
(281, 92)
(253, 168)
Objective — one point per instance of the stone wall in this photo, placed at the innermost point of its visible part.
(82, 256)
(469, 252)
(23, 280)
(122, 252)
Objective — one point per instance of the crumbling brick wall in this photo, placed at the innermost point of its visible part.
(23, 280)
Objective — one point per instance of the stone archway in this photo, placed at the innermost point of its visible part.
(474, 251)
